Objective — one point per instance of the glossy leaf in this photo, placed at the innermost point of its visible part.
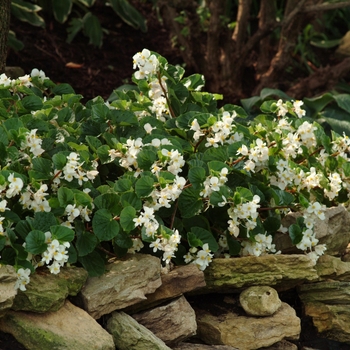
(104, 225)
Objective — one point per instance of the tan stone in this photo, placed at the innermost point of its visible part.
(8, 279)
(248, 333)
(48, 292)
(260, 301)
(177, 315)
(280, 271)
(281, 345)
(344, 47)
(328, 303)
(334, 231)
(126, 282)
(128, 334)
(68, 328)
(331, 267)
(182, 279)
(190, 346)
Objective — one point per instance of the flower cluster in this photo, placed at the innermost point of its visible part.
(168, 245)
(257, 155)
(56, 254)
(223, 131)
(213, 183)
(261, 245)
(245, 214)
(22, 279)
(202, 258)
(34, 143)
(35, 200)
(148, 66)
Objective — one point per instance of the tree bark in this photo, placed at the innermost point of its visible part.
(5, 8)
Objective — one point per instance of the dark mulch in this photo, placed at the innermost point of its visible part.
(103, 69)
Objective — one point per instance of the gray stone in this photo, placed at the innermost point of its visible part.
(248, 333)
(8, 279)
(260, 301)
(334, 231)
(280, 271)
(328, 304)
(190, 346)
(177, 315)
(182, 279)
(128, 334)
(125, 283)
(68, 328)
(48, 292)
(281, 345)
(331, 267)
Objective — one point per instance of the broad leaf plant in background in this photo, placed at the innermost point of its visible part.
(159, 169)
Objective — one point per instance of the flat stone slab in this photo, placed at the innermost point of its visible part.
(248, 333)
(48, 292)
(128, 334)
(126, 282)
(8, 279)
(283, 272)
(68, 328)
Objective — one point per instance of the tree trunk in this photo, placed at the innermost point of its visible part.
(5, 8)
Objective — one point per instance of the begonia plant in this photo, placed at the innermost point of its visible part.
(159, 169)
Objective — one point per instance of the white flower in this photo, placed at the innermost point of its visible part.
(15, 186)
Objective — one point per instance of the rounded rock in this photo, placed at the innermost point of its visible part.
(260, 301)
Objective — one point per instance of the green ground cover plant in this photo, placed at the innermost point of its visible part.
(160, 168)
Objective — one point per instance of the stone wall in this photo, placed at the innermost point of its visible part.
(268, 302)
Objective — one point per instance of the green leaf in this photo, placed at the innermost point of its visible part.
(86, 243)
(190, 202)
(193, 240)
(62, 233)
(104, 225)
(144, 186)
(273, 93)
(123, 118)
(213, 153)
(65, 196)
(325, 44)
(197, 176)
(42, 166)
(99, 112)
(93, 142)
(129, 14)
(123, 240)
(295, 233)
(109, 201)
(32, 103)
(206, 237)
(75, 26)
(146, 158)
(63, 88)
(233, 245)
(43, 221)
(72, 255)
(27, 12)
(93, 263)
(127, 216)
(22, 228)
(35, 242)
(130, 198)
(244, 193)
(272, 224)
(61, 9)
(122, 185)
(343, 101)
(93, 29)
(2, 242)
